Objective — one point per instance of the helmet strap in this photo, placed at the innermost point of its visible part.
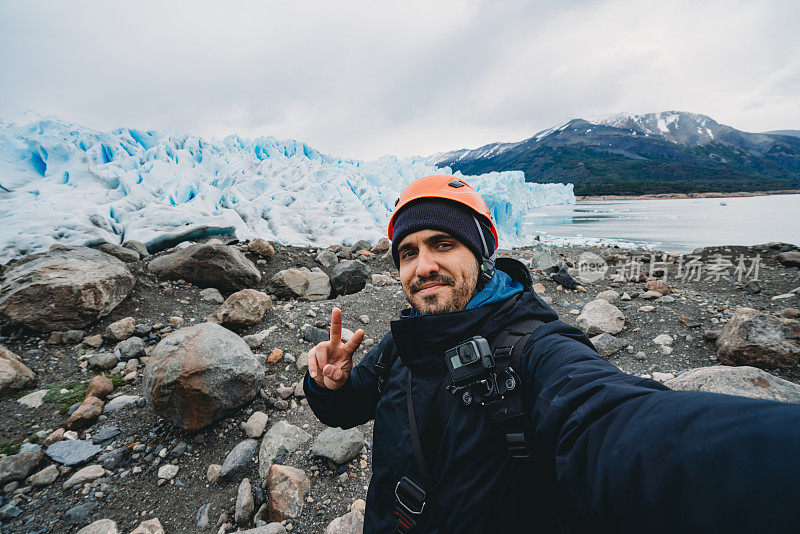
(487, 259)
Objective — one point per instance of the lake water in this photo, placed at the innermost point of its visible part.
(671, 224)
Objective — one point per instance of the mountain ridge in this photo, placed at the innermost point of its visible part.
(666, 152)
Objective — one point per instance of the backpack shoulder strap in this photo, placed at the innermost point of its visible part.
(386, 359)
(508, 412)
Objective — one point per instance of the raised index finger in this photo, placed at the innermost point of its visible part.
(336, 327)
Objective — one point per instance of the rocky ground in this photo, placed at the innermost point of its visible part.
(138, 455)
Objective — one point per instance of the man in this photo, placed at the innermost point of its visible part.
(599, 450)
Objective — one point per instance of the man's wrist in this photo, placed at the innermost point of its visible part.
(316, 387)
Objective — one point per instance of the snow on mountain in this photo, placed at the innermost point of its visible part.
(675, 126)
(63, 183)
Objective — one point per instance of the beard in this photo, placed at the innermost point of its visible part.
(442, 301)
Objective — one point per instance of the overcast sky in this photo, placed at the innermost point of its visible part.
(363, 79)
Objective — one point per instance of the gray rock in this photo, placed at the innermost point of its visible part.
(302, 362)
(754, 338)
(133, 347)
(9, 511)
(168, 471)
(243, 308)
(606, 344)
(103, 360)
(545, 258)
(208, 265)
(13, 373)
(121, 253)
(789, 259)
(315, 335)
(101, 526)
(72, 336)
(30, 447)
(647, 295)
(272, 528)
(244, 503)
(239, 459)
(122, 329)
(137, 246)
(743, 381)
(600, 316)
(609, 295)
(339, 446)
(350, 523)
(350, 276)
(319, 284)
(254, 341)
(73, 452)
(361, 244)
(327, 258)
(200, 374)
(78, 514)
(104, 434)
(78, 285)
(114, 458)
(45, 477)
(33, 399)
(255, 425)
(19, 466)
(119, 403)
(83, 475)
(563, 278)
(282, 437)
(288, 284)
(212, 294)
(202, 520)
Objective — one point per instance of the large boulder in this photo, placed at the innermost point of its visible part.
(13, 373)
(243, 308)
(200, 374)
(600, 316)
(744, 381)
(63, 288)
(754, 338)
(208, 265)
(350, 276)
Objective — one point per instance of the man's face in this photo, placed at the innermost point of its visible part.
(438, 272)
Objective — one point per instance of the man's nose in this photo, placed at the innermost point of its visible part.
(426, 264)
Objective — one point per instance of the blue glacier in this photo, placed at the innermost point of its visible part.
(64, 183)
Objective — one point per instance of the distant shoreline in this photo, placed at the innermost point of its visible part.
(664, 196)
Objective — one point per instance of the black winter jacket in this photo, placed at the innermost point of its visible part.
(614, 452)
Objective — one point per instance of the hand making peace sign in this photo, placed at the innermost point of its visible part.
(333, 358)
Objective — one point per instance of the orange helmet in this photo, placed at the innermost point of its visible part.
(447, 187)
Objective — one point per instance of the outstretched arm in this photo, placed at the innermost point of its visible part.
(630, 455)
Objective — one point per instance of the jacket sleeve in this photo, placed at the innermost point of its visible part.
(629, 455)
(352, 404)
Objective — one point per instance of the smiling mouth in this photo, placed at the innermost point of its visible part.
(430, 288)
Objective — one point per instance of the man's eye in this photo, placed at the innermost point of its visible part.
(406, 254)
(444, 245)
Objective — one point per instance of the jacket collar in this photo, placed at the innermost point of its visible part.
(421, 340)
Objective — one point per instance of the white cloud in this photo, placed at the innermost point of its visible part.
(360, 79)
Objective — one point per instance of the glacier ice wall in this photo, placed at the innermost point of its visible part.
(63, 183)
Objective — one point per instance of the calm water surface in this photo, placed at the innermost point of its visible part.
(671, 224)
